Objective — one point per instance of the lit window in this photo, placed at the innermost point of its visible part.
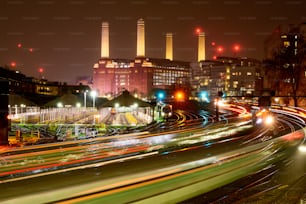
(286, 43)
(284, 36)
(249, 73)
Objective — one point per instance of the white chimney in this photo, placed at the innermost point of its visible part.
(140, 38)
(201, 46)
(105, 40)
(169, 46)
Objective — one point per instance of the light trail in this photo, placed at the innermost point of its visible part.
(267, 154)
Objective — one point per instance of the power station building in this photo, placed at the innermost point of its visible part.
(143, 75)
(139, 76)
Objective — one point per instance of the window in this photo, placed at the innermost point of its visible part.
(286, 43)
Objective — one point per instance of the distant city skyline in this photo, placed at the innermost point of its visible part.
(63, 37)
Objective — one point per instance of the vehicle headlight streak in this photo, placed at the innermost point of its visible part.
(302, 148)
(291, 114)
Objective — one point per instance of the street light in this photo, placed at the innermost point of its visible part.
(93, 94)
(276, 100)
(85, 92)
(59, 104)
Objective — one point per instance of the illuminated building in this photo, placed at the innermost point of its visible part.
(233, 76)
(279, 37)
(141, 75)
(285, 51)
(39, 91)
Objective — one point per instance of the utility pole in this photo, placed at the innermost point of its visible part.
(4, 122)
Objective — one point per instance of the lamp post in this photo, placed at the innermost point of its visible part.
(217, 109)
(85, 93)
(93, 95)
(220, 94)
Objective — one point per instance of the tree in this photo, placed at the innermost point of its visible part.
(274, 74)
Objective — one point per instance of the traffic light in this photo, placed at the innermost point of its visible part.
(203, 96)
(160, 95)
(180, 96)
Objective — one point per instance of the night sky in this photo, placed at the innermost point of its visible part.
(63, 37)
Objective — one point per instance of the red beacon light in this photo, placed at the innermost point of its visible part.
(236, 48)
(198, 30)
(13, 64)
(220, 49)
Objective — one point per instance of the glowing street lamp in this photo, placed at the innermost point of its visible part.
(276, 100)
(59, 104)
(78, 105)
(85, 93)
(93, 94)
(135, 105)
